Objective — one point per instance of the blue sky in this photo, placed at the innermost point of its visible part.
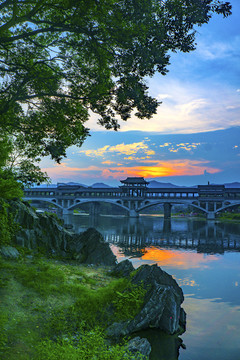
(194, 137)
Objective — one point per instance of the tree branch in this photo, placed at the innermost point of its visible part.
(18, 20)
(56, 95)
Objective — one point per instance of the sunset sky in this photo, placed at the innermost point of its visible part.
(195, 136)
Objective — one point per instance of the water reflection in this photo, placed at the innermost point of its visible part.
(163, 346)
(204, 258)
(132, 235)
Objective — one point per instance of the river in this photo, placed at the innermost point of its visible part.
(203, 257)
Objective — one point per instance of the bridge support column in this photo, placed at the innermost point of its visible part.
(167, 226)
(66, 211)
(167, 210)
(211, 215)
(133, 213)
(94, 209)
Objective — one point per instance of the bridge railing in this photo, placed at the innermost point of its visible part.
(159, 193)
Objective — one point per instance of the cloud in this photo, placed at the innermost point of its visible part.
(193, 107)
(97, 152)
(108, 162)
(162, 168)
(163, 96)
(135, 158)
(216, 50)
(126, 149)
(184, 146)
(61, 171)
(148, 169)
(165, 145)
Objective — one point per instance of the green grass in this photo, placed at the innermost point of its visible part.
(229, 216)
(53, 310)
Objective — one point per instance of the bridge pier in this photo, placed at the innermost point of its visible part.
(133, 213)
(211, 215)
(94, 208)
(66, 211)
(166, 226)
(167, 210)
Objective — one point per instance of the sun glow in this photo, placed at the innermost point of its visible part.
(161, 168)
(178, 259)
(148, 169)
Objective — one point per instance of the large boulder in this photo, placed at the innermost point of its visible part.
(123, 269)
(89, 247)
(162, 304)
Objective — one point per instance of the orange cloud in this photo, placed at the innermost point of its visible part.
(127, 149)
(63, 171)
(108, 162)
(177, 259)
(153, 168)
(184, 146)
(162, 168)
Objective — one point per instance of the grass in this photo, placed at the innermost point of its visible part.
(229, 216)
(53, 310)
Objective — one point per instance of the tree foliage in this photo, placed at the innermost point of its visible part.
(9, 187)
(62, 59)
(22, 162)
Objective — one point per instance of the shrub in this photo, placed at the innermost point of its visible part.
(88, 345)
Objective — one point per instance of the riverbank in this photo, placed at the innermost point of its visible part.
(48, 306)
(229, 217)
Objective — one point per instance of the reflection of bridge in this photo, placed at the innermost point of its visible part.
(208, 238)
(130, 243)
(133, 235)
(134, 196)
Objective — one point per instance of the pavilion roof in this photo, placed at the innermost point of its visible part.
(134, 180)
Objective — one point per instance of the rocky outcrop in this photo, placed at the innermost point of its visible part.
(89, 247)
(38, 231)
(45, 232)
(122, 269)
(162, 304)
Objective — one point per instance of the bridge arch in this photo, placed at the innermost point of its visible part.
(162, 202)
(228, 205)
(78, 202)
(49, 201)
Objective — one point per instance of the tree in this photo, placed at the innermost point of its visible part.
(21, 162)
(61, 59)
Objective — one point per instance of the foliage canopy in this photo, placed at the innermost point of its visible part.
(62, 59)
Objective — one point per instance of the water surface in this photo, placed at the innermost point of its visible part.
(204, 258)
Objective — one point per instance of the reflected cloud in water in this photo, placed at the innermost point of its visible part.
(212, 329)
(178, 259)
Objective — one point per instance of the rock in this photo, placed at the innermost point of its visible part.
(9, 252)
(162, 304)
(140, 347)
(38, 231)
(45, 232)
(153, 275)
(90, 248)
(123, 269)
